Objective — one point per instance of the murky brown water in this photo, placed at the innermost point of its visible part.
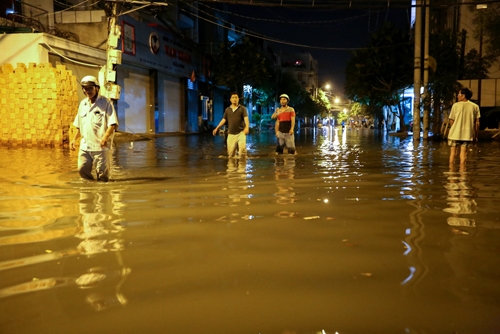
(359, 233)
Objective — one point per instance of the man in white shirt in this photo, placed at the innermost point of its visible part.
(464, 121)
(96, 121)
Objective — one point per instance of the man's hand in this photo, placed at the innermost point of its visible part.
(104, 141)
(72, 145)
(246, 131)
(215, 131)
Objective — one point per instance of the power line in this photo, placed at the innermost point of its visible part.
(351, 18)
(247, 32)
(341, 4)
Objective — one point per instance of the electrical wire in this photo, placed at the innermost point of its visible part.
(352, 18)
(69, 59)
(74, 6)
(271, 39)
(343, 4)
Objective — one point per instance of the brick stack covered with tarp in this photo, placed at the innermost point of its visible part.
(38, 105)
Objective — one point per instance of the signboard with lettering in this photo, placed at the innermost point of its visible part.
(156, 47)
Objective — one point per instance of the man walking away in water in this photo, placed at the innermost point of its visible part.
(464, 121)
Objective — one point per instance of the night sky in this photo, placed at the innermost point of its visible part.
(325, 33)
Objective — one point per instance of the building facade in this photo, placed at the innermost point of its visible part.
(162, 75)
(303, 67)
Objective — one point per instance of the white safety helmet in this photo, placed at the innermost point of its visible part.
(89, 80)
(285, 96)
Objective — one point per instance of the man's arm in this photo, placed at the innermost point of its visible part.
(109, 132)
(476, 129)
(276, 127)
(275, 114)
(293, 125)
(247, 125)
(221, 123)
(73, 141)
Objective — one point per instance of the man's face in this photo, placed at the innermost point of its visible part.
(234, 99)
(284, 101)
(90, 91)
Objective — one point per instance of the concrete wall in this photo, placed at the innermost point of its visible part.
(27, 50)
(490, 91)
(35, 48)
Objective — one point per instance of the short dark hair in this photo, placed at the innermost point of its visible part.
(467, 92)
(234, 93)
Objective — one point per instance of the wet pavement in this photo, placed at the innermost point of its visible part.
(360, 232)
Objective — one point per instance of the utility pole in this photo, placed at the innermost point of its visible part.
(426, 99)
(107, 74)
(481, 25)
(417, 70)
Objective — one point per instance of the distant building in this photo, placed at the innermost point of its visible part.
(303, 67)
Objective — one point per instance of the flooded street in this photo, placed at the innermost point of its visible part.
(360, 232)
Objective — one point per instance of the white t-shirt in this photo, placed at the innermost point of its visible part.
(464, 115)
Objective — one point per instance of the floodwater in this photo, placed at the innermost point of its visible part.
(360, 232)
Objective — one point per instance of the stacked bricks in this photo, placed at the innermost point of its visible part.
(38, 105)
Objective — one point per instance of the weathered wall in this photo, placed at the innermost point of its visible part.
(38, 104)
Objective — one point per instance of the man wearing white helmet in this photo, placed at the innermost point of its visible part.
(285, 125)
(96, 121)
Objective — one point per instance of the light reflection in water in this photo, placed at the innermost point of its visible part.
(285, 169)
(182, 236)
(460, 197)
(412, 177)
(98, 227)
(100, 232)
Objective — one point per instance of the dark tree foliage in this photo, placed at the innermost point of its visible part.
(487, 25)
(239, 64)
(476, 66)
(300, 99)
(445, 50)
(376, 75)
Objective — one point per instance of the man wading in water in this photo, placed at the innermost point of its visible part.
(285, 125)
(236, 117)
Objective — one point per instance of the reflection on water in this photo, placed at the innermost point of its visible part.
(460, 197)
(98, 228)
(100, 232)
(237, 189)
(361, 232)
(284, 177)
